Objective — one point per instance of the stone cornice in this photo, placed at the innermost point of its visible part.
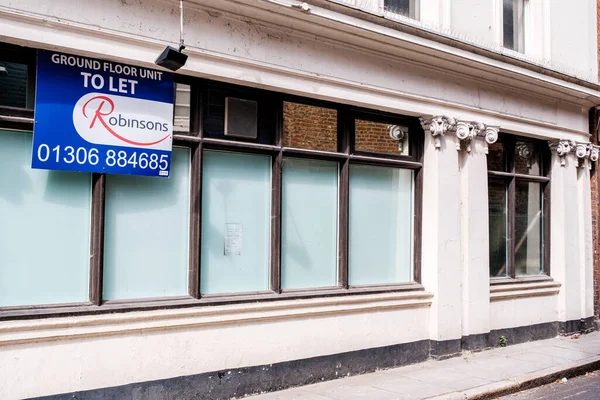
(581, 151)
(465, 131)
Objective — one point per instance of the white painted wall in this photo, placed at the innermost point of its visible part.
(574, 37)
(558, 34)
(79, 353)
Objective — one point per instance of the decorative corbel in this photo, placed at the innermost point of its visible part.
(438, 126)
(398, 133)
(490, 134)
(467, 131)
(562, 148)
(594, 153)
(582, 152)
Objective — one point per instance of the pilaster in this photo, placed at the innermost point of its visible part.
(440, 264)
(455, 260)
(475, 233)
(565, 250)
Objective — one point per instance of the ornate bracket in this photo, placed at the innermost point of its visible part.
(490, 135)
(438, 126)
(465, 131)
(585, 151)
(562, 147)
(398, 133)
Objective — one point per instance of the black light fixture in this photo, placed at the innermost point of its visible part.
(3, 71)
(171, 58)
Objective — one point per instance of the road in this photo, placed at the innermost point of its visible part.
(586, 387)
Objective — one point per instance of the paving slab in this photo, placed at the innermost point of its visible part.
(478, 375)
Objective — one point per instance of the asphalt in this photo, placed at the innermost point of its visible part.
(586, 387)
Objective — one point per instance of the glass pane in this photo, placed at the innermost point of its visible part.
(309, 127)
(528, 228)
(309, 223)
(496, 159)
(236, 215)
(146, 233)
(44, 229)
(498, 227)
(513, 32)
(181, 118)
(376, 137)
(380, 231)
(401, 7)
(528, 159)
(13, 84)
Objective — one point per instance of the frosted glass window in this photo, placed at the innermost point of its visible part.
(309, 223)
(44, 229)
(380, 225)
(236, 208)
(146, 233)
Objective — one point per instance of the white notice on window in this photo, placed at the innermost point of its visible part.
(233, 239)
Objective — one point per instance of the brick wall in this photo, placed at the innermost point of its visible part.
(374, 137)
(315, 128)
(309, 127)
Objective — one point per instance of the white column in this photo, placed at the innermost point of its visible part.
(565, 266)
(440, 267)
(475, 270)
(584, 216)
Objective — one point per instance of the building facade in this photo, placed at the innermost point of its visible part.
(355, 184)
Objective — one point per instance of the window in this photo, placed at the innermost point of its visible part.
(17, 77)
(267, 194)
(44, 229)
(518, 189)
(407, 8)
(513, 25)
(146, 233)
(236, 212)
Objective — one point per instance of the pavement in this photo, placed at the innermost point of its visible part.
(585, 387)
(482, 375)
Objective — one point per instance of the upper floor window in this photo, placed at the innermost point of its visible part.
(513, 25)
(407, 8)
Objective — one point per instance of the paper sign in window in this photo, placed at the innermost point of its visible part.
(233, 239)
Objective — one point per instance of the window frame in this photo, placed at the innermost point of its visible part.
(510, 177)
(518, 31)
(413, 10)
(197, 143)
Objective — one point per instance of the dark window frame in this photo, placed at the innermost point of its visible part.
(196, 142)
(510, 177)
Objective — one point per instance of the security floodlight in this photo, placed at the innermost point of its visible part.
(171, 58)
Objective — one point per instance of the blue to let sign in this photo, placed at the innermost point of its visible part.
(101, 116)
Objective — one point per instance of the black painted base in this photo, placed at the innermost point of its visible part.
(266, 378)
(583, 325)
(440, 350)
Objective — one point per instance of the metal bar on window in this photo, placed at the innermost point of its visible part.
(386, 162)
(276, 185)
(195, 221)
(97, 238)
(511, 206)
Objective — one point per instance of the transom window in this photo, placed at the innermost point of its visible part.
(518, 193)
